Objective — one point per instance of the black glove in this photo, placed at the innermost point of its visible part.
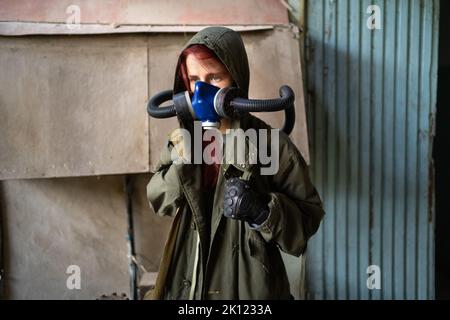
(242, 203)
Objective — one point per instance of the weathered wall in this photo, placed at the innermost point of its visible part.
(53, 223)
(67, 101)
(156, 12)
(50, 224)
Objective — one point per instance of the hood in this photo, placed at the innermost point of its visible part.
(228, 46)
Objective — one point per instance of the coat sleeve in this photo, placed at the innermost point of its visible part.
(295, 206)
(163, 190)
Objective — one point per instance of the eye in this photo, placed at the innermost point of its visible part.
(216, 78)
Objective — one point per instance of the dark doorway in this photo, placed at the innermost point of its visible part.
(442, 159)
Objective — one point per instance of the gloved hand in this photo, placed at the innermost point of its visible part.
(243, 203)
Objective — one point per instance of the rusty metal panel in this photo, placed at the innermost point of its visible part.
(156, 12)
(73, 106)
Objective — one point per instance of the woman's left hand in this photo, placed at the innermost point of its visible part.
(243, 203)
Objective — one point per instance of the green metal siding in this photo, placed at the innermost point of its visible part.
(370, 105)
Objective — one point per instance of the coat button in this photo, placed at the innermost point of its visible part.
(186, 283)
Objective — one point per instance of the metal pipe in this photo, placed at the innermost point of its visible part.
(130, 239)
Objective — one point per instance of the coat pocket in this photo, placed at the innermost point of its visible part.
(258, 250)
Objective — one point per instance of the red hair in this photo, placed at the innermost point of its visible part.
(200, 52)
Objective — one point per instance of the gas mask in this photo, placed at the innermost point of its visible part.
(209, 104)
(204, 106)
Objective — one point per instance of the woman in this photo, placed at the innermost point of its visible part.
(211, 254)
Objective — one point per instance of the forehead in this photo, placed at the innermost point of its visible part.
(201, 66)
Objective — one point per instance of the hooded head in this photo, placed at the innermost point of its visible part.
(228, 47)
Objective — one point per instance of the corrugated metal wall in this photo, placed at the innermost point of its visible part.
(371, 104)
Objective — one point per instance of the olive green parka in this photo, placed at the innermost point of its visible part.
(209, 256)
